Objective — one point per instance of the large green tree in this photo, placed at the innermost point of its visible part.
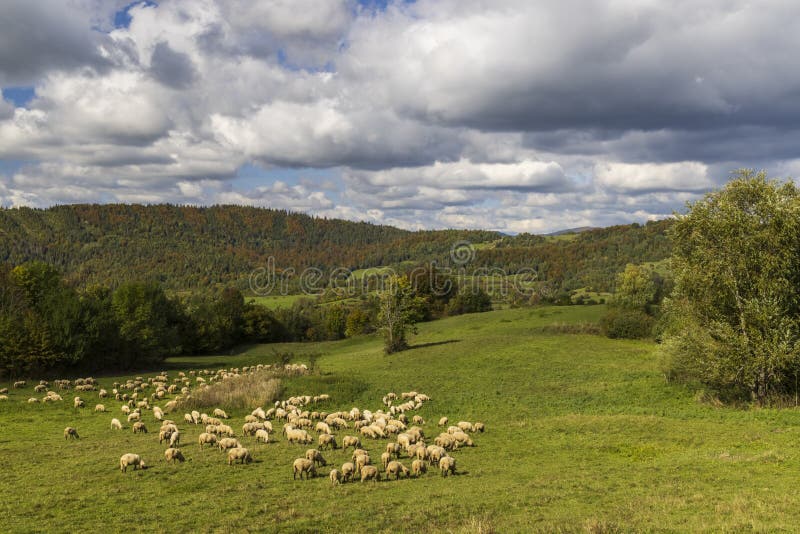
(734, 316)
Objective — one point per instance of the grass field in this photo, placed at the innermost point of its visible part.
(278, 301)
(582, 434)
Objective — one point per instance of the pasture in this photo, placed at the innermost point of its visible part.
(582, 434)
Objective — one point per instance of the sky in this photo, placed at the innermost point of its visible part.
(506, 115)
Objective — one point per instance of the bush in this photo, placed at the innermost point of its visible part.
(626, 323)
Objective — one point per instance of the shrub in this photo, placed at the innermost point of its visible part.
(626, 323)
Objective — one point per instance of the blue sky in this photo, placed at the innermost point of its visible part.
(508, 115)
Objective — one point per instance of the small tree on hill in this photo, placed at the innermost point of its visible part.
(398, 312)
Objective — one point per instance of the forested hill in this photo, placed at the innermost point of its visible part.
(186, 247)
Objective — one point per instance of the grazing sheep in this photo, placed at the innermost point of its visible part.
(298, 436)
(327, 441)
(115, 424)
(130, 459)
(396, 468)
(315, 456)
(478, 427)
(196, 417)
(239, 453)
(171, 405)
(103, 394)
(443, 421)
(4, 391)
(187, 418)
(336, 476)
(225, 429)
(435, 453)
(393, 448)
(303, 465)
(322, 428)
(134, 416)
(361, 461)
(347, 471)
(3, 397)
(220, 413)
(259, 413)
(32, 400)
(351, 441)
(463, 439)
(206, 438)
(173, 454)
(175, 439)
(124, 409)
(138, 426)
(78, 402)
(157, 413)
(465, 426)
(447, 465)
(99, 408)
(70, 432)
(228, 443)
(418, 467)
(370, 472)
(262, 435)
(19, 384)
(386, 457)
(40, 388)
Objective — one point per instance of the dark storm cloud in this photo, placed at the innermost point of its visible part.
(173, 69)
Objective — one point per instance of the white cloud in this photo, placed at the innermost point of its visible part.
(645, 177)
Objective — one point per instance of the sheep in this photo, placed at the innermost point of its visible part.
(327, 441)
(351, 441)
(303, 465)
(103, 394)
(134, 416)
(158, 413)
(124, 409)
(418, 467)
(443, 421)
(220, 413)
(40, 388)
(100, 408)
(115, 424)
(322, 428)
(465, 426)
(4, 391)
(174, 439)
(478, 427)
(315, 456)
(138, 426)
(298, 436)
(347, 471)
(250, 419)
(418, 420)
(78, 402)
(370, 472)
(259, 413)
(336, 476)
(195, 417)
(239, 453)
(447, 464)
(262, 435)
(435, 453)
(206, 438)
(393, 448)
(19, 384)
(362, 460)
(172, 454)
(131, 459)
(187, 418)
(385, 459)
(463, 439)
(228, 443)
(32, 400)
(70, 432)
(170, 406)
(396, 468)
(225, 429)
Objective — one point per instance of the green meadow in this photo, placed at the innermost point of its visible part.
(583, 434)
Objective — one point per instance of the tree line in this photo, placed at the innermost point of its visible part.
(50, 326)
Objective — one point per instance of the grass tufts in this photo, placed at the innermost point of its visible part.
(572, 328)
(259, 388)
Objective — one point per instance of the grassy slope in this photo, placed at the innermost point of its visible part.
(581, 431)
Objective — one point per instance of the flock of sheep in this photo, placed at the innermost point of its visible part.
(302, 424)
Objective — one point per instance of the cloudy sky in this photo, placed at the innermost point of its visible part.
(509, 115)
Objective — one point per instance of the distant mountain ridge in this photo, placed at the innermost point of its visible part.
(577, 230)
(188, 247)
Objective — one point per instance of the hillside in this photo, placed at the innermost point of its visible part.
(185, 247)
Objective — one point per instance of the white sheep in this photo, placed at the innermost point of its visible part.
(70, 432)
(206, 439)
(396, 468)
(174, 439)
(220, 413)
(115, 424)
(336, 476)
(303, 465)
(228, 443)
(131, 459)
(327, 441)
(447, 464)
(100, 408)
(370, 472)
(347, 471)
(239, 453)
(351, 441)
(315, 456)
(262, 435)
(443, 421)
(172, 454)
(139, 426)
(418, 467)
(78, 402)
